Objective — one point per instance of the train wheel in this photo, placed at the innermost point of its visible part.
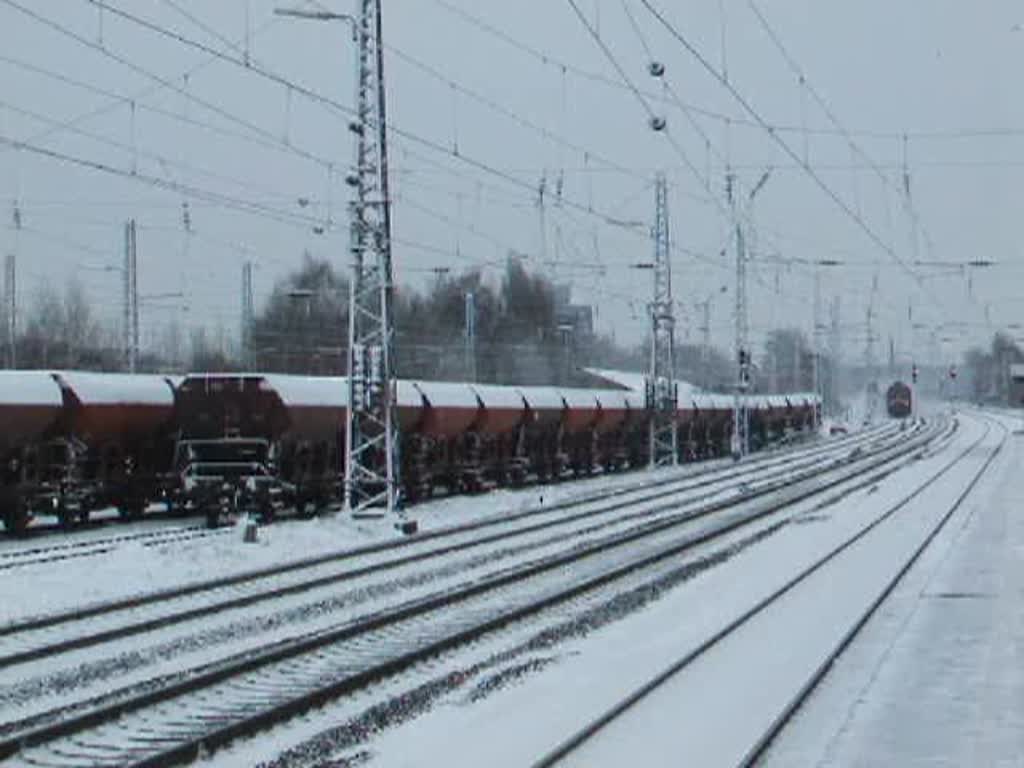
(65, 517)
(131, 510)
(213, 515)
(16, 517)
(267, 514)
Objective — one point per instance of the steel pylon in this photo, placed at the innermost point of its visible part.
(371, 465)
(661, 382)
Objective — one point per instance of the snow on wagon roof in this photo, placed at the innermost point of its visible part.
(496, 396)
(616, 399)
(448, 394)
(29, 388)
(542, 398)
(118, 388)
(581, 398)
(310, 391)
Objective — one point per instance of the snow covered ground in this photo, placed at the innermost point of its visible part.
(530, 701)
(551, 691)
(131, 567)
(699, 722)
(936, 678)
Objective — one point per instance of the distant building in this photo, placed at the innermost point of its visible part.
(1017, 385)
(579, 316)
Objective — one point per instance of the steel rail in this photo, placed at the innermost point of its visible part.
(791, 708)
(666, 503)
(292, 651)
(597, 725)
(690, 481)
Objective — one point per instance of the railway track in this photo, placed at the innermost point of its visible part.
(71, 550)
(16, 557)
(48, 636)
(171, 723)
(568, 751)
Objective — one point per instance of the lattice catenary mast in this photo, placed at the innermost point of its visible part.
(661, 384)
(11, 308)
(740, 423)
(130, 283)
(248, 315)
(371, 466)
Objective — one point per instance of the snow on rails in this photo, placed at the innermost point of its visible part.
(220, 444)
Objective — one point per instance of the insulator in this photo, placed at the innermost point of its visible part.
(352, 180)
(358, 362)
(657, 69)
(376, 365)
(356, 128)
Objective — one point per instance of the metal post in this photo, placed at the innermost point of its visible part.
(705, 351)
(837, 351)
(248, 315)
(371, 467)
(131, 297)
(471, 337)
(661, 385)
(11, 308)
(816, 342)
(869, 363)
(739, 420)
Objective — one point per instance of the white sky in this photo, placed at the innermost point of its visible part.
(943, 72)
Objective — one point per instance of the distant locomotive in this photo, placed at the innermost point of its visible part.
(898, 400)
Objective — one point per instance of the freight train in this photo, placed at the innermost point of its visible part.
(219, 444)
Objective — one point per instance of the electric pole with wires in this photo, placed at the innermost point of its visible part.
(131, 297)
(661, 383)
(371, 461)
(248, 315)
(11, 308)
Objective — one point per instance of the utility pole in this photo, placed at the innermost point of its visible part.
(248, 315)
(131, 297)
(471, 337)
(11, 308)
(739, 420)
(816, 341)
(542, 222)
(11, 287)
(371, 466)
(661, 383)
(869, 362)
(705, 347)
(837, 350)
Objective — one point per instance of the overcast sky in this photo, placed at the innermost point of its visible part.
(266, 164)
